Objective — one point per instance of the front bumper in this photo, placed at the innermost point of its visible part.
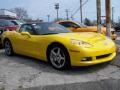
(97, 56)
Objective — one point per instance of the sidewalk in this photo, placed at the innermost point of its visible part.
(110, 84)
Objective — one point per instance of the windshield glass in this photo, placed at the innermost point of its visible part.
(81, 24)
(20, 21)
(17, 22)
(50, 28)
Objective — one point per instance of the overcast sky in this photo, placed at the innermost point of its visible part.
(41, 8)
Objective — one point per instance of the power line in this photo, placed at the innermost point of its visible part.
(79, 8)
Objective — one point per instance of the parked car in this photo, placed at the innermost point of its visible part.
(7, 25)
(59, 46)
(78, 27)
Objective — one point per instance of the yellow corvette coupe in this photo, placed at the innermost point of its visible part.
(58, 45)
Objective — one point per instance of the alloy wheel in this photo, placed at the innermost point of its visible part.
(57, 57)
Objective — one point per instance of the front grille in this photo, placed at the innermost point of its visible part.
(103, 56)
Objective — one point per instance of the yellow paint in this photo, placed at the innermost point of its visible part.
(36, 46)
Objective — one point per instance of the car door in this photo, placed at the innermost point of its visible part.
(25, 41)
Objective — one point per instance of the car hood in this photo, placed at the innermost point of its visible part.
(91, 29)
(90, 37)
(103, 29)
(95, 28)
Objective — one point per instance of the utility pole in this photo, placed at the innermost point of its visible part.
(67, 14)
(108, 17)
(81, 17)
(48, 18)
(72, 17)
(118, 19)
(57, 8)
(113, 16)
(98, 3)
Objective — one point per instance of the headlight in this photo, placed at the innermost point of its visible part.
(81, 43)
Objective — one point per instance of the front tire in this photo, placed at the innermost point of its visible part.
(58, 57)
(8, 48)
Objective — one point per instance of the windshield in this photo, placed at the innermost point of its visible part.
(50, 28)
(17, 22)
(81, 24)
(20, 21)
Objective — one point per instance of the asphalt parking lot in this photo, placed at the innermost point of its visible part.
(18, 72)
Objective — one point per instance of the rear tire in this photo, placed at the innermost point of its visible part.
(58, 57)
(8, 48)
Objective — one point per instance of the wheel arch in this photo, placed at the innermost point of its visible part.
(56, 43)
(68, 65)
(10, 51)
(5, 39)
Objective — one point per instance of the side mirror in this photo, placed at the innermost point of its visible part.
(26, 33)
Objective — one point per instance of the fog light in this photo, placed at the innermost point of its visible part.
(86, 59)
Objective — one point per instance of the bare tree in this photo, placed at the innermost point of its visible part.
(21, 12)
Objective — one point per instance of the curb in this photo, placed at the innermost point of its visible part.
(108, 84)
